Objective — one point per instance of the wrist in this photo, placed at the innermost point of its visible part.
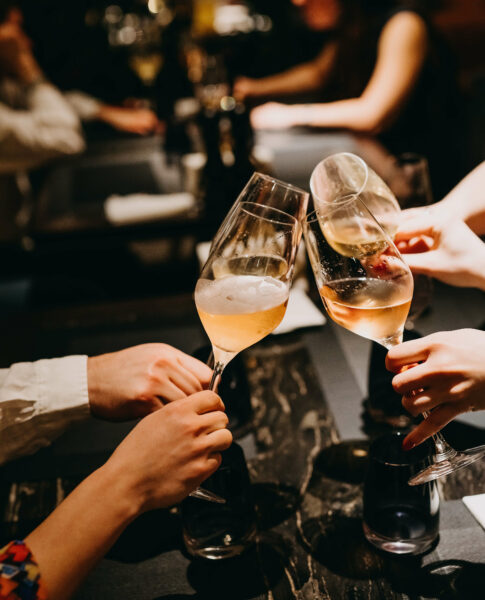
(478, 272)
(119, 491)
(299, 114)
(96, 391)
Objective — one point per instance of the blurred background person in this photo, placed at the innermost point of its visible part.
(383, 72)
(38, 122)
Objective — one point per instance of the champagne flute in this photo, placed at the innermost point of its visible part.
(242, 292)
(366, 287)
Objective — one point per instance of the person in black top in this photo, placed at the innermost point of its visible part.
(383, 72)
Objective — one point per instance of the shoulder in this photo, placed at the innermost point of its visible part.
(404, 27)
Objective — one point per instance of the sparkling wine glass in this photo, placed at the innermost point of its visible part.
(344, 174)
(264, 189)
(366, 287)
(243, 289)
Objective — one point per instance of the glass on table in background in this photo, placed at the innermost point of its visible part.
(146, 59)
(399, 518)
(409, 179)
(367, 288)
(217, 531)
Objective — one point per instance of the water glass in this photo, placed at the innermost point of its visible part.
(218, 531)
(399, 518)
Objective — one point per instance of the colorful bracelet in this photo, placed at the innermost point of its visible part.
(19, 574)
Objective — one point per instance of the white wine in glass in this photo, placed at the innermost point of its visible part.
(242, 292)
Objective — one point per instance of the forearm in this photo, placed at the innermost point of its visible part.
(302, 78)
(38, 400)
(467, 200)
(354, 114)
(81, 530)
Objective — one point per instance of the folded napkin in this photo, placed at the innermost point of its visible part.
(476, 505)
(301, 312)
(139, 208)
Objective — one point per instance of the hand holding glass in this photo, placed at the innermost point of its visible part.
(367, 288)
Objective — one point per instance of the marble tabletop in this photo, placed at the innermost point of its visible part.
(305, 445)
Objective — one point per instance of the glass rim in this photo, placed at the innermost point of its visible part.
(351, 154)
(337, 205)
(291, 220)
(280, 183)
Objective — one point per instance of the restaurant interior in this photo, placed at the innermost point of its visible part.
(110, 222)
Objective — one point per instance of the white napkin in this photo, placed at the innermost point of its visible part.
(137, 208)
(301, 312)
(476, 505)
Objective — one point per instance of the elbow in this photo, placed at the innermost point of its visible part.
(372, 124)
(374, 120)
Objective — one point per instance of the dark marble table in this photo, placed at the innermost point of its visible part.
(305, 445)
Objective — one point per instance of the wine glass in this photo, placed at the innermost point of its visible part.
(264, 189)
(366, 287)
(343, 174)
(242, 292)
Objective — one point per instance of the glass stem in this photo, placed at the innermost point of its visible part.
(218, 368)
(443, 450)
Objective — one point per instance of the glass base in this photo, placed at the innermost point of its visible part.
(444, 467)
(398, 546)
(219, 552)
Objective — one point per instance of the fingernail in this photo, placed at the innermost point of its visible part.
(408, 444)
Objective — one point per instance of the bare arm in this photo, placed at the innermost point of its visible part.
(307, 77)
(467, 200)
(401, 52)
(166, 456)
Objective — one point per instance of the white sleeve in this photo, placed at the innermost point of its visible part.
(86, 107)
(38, 401)
(47, 128)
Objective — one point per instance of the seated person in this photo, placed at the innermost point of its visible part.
(383, 72)
(37, 121)
(38, 400)
(167, 455)
(442, 241)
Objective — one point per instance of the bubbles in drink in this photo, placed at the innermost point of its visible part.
(239, 310)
